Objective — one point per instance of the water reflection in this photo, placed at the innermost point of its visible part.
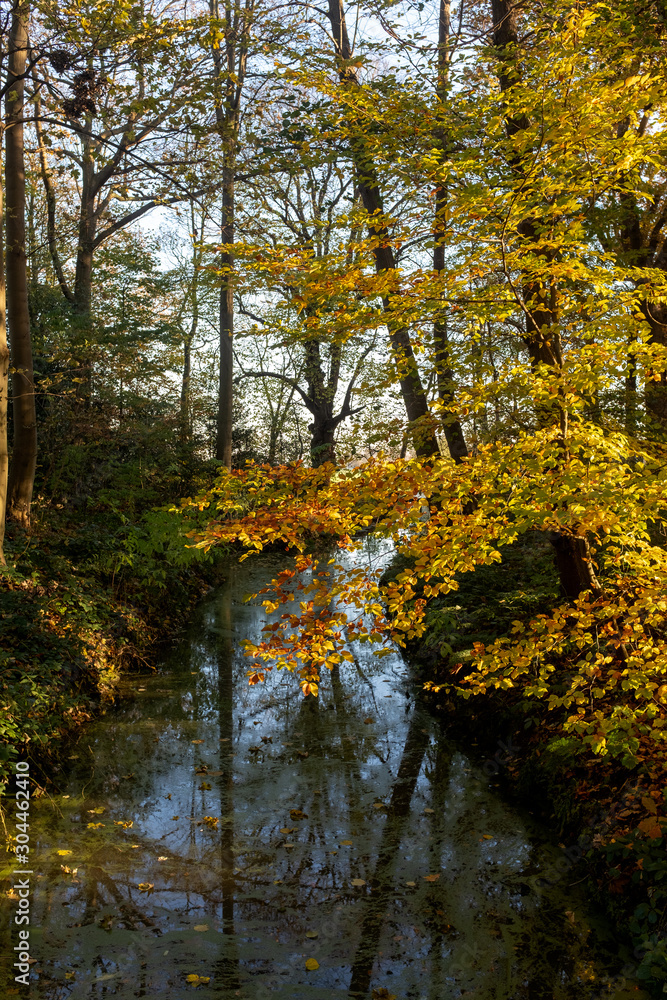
(233, 833)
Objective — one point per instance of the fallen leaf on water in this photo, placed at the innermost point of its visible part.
(145, 886)
(174, 817)
(211, 822)
(312, 934)
(289, 845)
(358, 881)
(317, 792)
(163, 857)
(277, 881)
(205, 786)
(68, 871)
(429, 810)
(570, 916)
(287, 829)
(127, 824)
(94, 826)
(201, 927)
(196, 741)
(411, 884)
(298, 814)
(70, 975)
(64, 853)
(302, 753)
(312, 964)
(378, 805)
(369, 721)
(96, 812)
(346, 843)
(168, 796)
(487, 836)
(196, 980)
(430, 878)
(134, 845)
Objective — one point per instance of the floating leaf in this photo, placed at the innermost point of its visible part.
(346, 843)
(94, 826)
(430, 878)
(196, 980)
(163, 857)
(411, 884)
(312, 964)
(369, 721)
(298, 814)
(96, 812)
(200, 927)
(431, 811)
(205, 786)
(312, 935)
(64, 853)
(196, 741)
(287, 829)
(358, 881)
(145, 886)
(127, 824)
(378, 805)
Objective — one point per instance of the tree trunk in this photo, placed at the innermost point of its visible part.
(225, 398)
(542, 337)
(4, 389)
(83, 277)
(24, 450)
(451, 424)
(412, 390)
(186, 429)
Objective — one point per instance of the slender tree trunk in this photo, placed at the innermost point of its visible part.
(450, 421)
(4, 387)
(542, 338)
(412, 390)
(186, 429)
(24, 451)
(83, 277)
(225, 392)
(230, 71)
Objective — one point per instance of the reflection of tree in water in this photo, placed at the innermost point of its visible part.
(227, 966)
(398, 810)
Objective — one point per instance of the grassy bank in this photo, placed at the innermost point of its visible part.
(104, 576)
(609, 810)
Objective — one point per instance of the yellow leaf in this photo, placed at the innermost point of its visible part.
(346, 843)
(201, 927)
(145, 886)
(430, 878)
(312, 934)
(358, 881)
(312, 964)
(64, 853)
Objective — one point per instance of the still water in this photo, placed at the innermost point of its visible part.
(211, 839)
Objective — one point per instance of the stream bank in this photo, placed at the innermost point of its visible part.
(611, 819)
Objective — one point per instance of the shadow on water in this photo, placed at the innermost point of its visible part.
(208, 829)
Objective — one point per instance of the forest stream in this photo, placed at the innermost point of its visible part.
(220, 840)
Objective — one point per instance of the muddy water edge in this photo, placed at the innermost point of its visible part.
(214, 839)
